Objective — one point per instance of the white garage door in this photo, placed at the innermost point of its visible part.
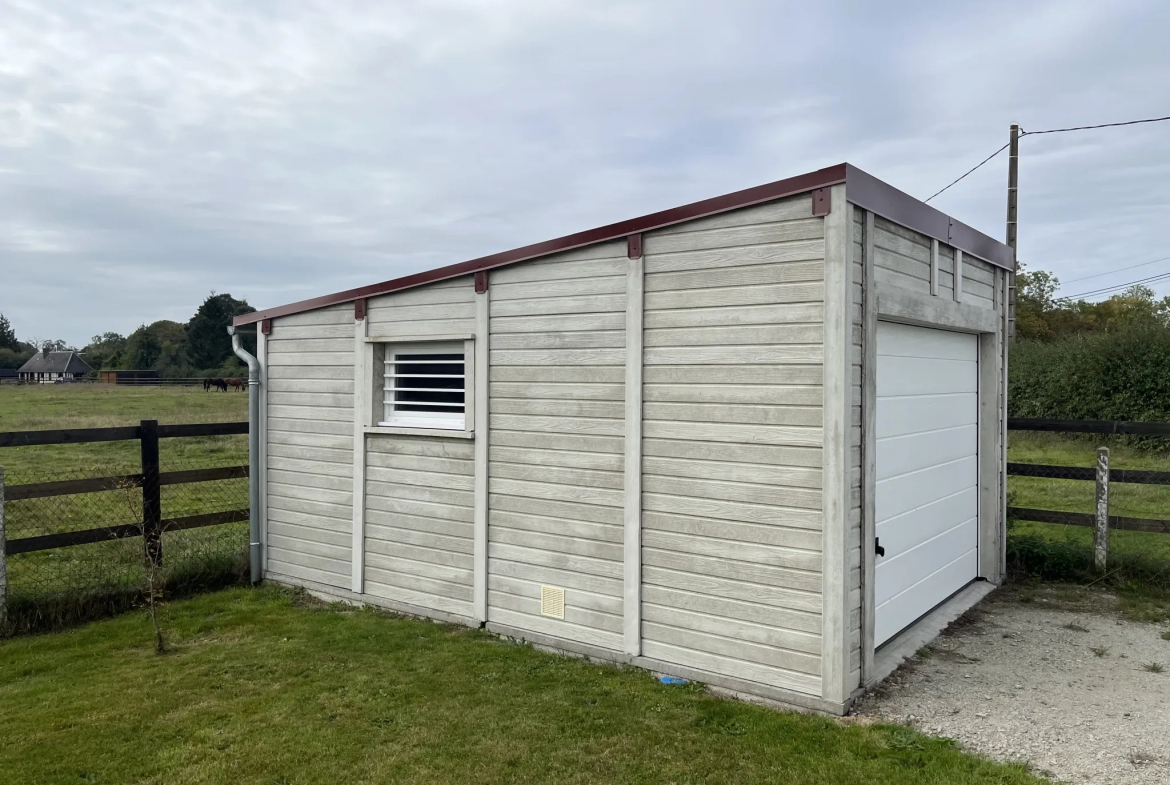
(927, 498)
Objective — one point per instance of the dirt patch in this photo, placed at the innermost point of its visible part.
(1054, 678)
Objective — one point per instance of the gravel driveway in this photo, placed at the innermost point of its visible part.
(1064, 684)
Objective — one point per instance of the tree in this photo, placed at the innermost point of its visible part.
(142, 349)
(105, 350)
(1035, 299)
(11, 359)
(8, 336)
(208, 343)
(58, 345)
(170, 332)
(1042, 316)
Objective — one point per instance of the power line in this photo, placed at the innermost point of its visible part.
(1107, 289)
(1118, 270)
(969, 171)
(1091, 127)
(1024, 133)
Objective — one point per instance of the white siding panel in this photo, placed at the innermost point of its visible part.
(443, 308)
(557, 431)
(978, 282)
(732, 441)
(310, 445)
(419, 502)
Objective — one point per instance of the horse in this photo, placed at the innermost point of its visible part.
(235, 383)
(218, 384)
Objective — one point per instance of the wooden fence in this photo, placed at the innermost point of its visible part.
(150, 480)
(1101, 520)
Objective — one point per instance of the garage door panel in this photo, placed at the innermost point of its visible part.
(898, 495)
(902, 454)
(901, 534)
(918, 414)
(904, 340)
(937, 552)
(926, 498)
(904, 609)
(925, 376)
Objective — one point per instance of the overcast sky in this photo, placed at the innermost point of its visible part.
(151, 152)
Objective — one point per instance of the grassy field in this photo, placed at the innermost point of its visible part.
(1143, 556)
(83, 581)
(38, 407)
(259, 687)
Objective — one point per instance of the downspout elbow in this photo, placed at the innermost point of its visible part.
(239, 350)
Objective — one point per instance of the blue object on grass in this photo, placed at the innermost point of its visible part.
(672, 680)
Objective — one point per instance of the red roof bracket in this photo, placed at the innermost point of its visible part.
(634, 246)
(359, 309)
(266, 326)
(822, 202)
(481, 281)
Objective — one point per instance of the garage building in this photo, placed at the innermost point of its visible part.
(756, 441)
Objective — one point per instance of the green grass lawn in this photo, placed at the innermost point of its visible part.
(259, 687)
(84, 580)
(1141, 555)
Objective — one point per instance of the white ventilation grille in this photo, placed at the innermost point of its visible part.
(552, 602)
(425, 386)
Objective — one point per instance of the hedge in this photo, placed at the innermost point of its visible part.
(1104, 376)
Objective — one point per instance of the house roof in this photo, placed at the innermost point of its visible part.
(861, 189)
(56, 362)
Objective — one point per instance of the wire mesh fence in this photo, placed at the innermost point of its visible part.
(77, 539)
(1052, 493)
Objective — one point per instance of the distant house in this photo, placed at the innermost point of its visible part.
(47, 367)
(8, 375)
(128, 377)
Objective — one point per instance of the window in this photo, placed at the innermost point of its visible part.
(425, 386)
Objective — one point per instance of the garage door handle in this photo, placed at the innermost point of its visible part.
(877, 547)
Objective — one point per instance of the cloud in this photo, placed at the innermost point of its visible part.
(150, 153)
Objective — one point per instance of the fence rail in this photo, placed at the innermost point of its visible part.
(47, 542)
(123, 434)
(42, 490)
(1134, 476)
(184, 381)
(1156, 525)
(1114, 427)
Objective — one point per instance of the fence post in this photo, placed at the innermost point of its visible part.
(151, 492)
(1101, 530)
(3, 561)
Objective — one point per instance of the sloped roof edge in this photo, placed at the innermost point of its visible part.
(861, 188)
(56, 362)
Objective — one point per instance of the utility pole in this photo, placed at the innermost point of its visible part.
(1012, 193)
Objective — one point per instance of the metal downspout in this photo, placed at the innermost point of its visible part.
(253, 454)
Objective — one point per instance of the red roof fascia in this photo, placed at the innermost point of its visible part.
(762, 193)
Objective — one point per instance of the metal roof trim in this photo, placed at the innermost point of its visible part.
(861, 188)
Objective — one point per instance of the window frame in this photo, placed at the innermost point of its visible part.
(422, 421)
